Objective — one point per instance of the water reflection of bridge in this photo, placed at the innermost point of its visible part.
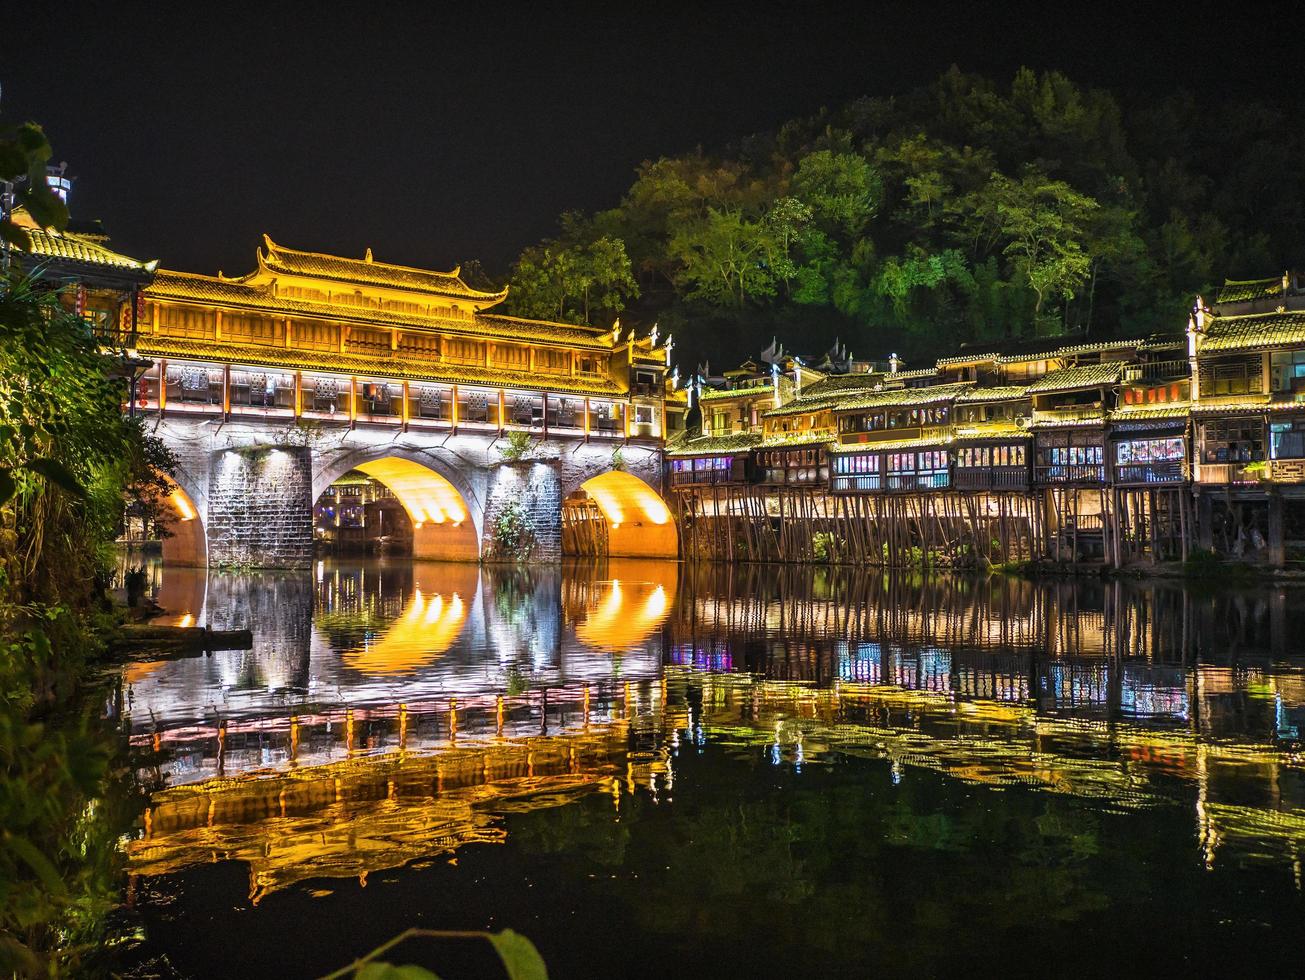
(407, 738)
(327, 796)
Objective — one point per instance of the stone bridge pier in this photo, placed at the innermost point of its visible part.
(245, 490)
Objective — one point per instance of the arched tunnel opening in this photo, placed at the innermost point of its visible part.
(184, 541)
(396, 507)
(617, 515)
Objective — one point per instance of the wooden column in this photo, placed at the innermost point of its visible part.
(217, 324)
(353, 401)
(1277, 531)
(226, 390)
(163, 373)
(299, 388)
(453, 414)
(586, 410)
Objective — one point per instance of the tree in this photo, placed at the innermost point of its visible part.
(572, 281)
(842, 190)
(1045, 221)
(724, 259)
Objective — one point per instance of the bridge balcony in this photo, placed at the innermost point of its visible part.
(325, 397)
(261, 392)
(192, 387)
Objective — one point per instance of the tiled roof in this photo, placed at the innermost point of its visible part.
(395, 367)
(997, 393)
(734, 442)
(1244, 404)
(943, 362)
(836, 383)
(190, 288)
(803, 405)
(991, 430)
(778, 439)
(1175, 341)
(1256, 331)
(904, 397)
(759, 388)
(1083, 376)
(894, 445)
(1145, 413)
(290, 261)
(917, 373)
(67, 247)
(1055, 352)
(1247, 290)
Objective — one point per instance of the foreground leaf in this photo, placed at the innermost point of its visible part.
(58, 474)
(387, 971)
(520, 958)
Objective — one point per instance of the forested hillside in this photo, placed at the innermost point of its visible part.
(967, 210)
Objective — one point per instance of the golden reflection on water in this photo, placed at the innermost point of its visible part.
(624, 611)
(1017, 688)
(428, 627)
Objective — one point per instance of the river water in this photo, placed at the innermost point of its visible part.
(653, 769)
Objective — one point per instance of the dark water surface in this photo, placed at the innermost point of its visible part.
(653, 769)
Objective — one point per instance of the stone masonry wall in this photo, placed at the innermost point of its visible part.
(535, 487)
(253, 483)
(260, 508)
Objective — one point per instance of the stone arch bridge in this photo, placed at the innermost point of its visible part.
(245, 490)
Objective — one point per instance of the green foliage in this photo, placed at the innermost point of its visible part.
(69, 461)
(519, 446)
(823, 546)
(575, 278)
(520, 958)
(24, 152)
(724, 259)
(513, 540)
(961, 211)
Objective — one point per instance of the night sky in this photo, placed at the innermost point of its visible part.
(436, 133)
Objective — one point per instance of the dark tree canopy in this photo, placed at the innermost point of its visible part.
(963, 211)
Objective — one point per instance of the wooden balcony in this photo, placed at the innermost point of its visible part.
(991, 477)
(1149, 474)
(918, 481)
(1226, 474)
(1067, 473)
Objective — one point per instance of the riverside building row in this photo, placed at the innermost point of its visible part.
(1118, 451)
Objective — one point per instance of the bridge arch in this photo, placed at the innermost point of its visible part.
(445, 514)
(187, 541)
(635, 521)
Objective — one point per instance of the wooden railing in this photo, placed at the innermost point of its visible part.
(1070, 473)
(991, 477)
(1225, 474)
(1169, 471)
